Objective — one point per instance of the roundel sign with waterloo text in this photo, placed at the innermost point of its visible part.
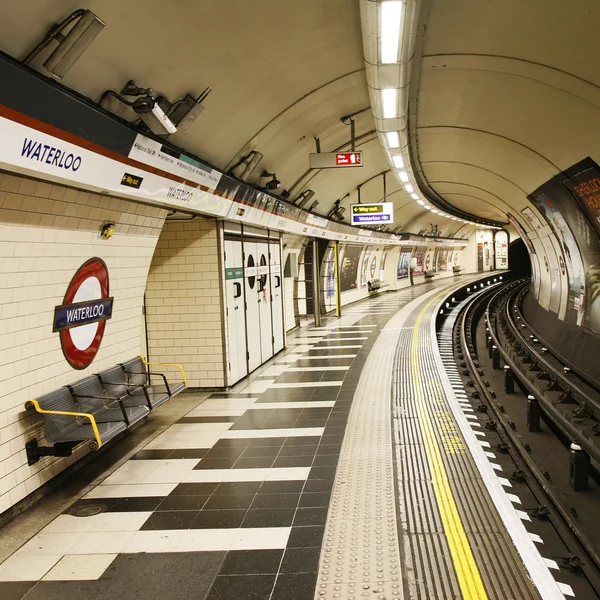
(81, 319)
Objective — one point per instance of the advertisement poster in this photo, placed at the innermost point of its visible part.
(349, 268)
(329, 268)
(420, 256)
(559, 201)
(384, 256)
(443, 259)
(365, 266)
(404, 263)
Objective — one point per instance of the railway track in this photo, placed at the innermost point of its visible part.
(487, 329)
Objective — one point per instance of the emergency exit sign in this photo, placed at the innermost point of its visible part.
(363, 214)
(336, 160)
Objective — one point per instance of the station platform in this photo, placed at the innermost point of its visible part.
(350, 466)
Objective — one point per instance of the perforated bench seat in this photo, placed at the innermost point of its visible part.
(99, 407)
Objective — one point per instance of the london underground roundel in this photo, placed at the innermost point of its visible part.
(81, 319)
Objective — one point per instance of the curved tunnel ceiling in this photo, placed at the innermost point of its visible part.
(503, 95)
(506, 97)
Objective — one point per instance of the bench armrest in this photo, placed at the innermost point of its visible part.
(153, 364)
(35, 405)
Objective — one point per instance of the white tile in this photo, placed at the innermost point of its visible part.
(514, 498)
(80, 567)
(226, 403)
(198, 427)
(202, 540)
(183, 441)
(263, 538)
(153, 471)
(102, 542)
(344, 339)
(269, 433)
(565, 588)
(27, 568)
(551, 564)
(309, 404)
(217, 412)
(274, 474)
(274, 371)
(47, 544)
(300, 369)
(300, 384)
(329, 356)
(139, 490)
(258, 386)
(288, 358)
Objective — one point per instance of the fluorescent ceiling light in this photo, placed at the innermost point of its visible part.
(421, 202)
(398, 162)
(389, 99)
(403, 175)
(409, 188)
(414, 196)
(393, 139)
(428, 207)
(391, 19)
(437, 212)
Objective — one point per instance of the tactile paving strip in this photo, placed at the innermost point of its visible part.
(360, 557)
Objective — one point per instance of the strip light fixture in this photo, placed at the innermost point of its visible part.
(389, 34)
(391, 22)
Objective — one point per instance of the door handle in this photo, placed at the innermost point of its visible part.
(238, 289)
(277, 281)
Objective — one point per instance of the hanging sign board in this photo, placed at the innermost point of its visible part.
(336, 160)
(364, 214)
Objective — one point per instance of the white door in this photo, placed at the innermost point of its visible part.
(236, 327)
(252, 307)
(264, 302)
(277, 297)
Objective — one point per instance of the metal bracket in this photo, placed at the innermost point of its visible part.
(35, 452)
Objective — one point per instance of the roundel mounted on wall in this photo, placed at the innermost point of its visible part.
(81, 319)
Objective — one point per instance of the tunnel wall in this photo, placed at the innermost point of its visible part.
(46, 233)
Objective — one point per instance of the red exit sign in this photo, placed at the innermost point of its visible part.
(336, 160)
(348, 158)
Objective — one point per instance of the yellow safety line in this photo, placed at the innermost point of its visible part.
(336, 279)
(37, 407)
(467, 572)
(153, 364)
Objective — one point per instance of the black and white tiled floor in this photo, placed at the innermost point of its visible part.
(229, 502)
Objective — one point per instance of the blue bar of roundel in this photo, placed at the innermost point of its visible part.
(62, 313)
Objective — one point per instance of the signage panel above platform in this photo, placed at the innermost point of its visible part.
(367, 214)
(336, 160)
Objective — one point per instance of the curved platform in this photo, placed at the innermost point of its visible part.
(347, 468)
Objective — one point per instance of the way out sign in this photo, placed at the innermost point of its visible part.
(81, 318)
(364, 214)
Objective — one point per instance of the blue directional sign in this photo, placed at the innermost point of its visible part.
(366, 214)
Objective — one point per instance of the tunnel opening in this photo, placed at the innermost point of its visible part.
(519, 259)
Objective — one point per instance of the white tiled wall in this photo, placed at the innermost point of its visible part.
(46, 233)
(183, 302)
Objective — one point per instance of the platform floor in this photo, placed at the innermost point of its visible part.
(348, 467)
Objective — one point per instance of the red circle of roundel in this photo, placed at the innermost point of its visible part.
(80, 359)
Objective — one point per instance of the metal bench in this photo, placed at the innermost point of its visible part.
(100, 407)
(373, 285)
(430, 274)
(456, 269)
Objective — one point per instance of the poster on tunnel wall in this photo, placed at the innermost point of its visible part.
(549, 259)
(559, 202)
(404, 263)
(349, 268)
(420, 256)
(365, 266)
